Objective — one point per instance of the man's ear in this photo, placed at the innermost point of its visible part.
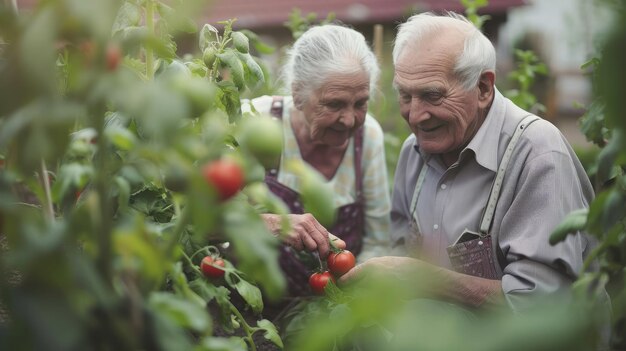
(486, 88)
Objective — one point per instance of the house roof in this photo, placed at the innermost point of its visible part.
(255, 14)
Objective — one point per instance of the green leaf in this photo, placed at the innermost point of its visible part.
(608, 155)
(71, 177)
(240, 42)
(186, 313)
(254, 73)
(122, 186)
(177, 20)
(250, 293)
(132, 37)
(221, 295)
(230, 58)
(129, 15)
(614, 208)
(167, 333)
(121, 137)
(229, 100)
(37, 53)
(255, 247)
(317, 194)
(573, 222)
(207, 35)
(260, 46)
(271, 333)
(222, 344)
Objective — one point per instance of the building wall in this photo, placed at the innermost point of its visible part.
(565, 34)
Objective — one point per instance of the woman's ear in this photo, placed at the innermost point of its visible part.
(296, 93)
(486, 88)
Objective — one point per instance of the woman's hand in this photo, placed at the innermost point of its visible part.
(306, 233)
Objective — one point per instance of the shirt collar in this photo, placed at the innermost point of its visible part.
(485, 143)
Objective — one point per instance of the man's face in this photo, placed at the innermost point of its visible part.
(335, 110)
(443, 116)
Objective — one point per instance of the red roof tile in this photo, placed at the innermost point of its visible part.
(270, 13)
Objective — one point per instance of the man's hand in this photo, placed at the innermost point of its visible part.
(442, 283)
(306, 233)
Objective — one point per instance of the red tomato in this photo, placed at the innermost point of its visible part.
(341, 262)
(210, 267)
(113, 56)
(318, 281)
(225, 176)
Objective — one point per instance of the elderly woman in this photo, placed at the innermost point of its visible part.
(332, 73)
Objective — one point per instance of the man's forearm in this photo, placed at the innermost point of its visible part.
(470, 290)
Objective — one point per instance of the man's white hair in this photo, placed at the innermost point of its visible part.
(478, 54)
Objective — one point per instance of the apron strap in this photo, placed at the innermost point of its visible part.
(358, 170)
(277, 107)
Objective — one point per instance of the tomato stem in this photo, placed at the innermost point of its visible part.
(192, 265)
(334, 248)
(49, 211)
(246, 326)
(322, 268)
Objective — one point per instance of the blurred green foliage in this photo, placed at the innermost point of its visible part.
(105, 215)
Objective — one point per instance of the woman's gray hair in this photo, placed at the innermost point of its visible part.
(324, 51)
(478, 53)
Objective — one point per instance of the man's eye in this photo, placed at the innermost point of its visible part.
(361, 104)
(433, 98)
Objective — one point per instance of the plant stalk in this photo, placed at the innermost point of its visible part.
(48, 211)
(149, 51)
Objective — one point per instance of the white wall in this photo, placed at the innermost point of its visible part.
(570, 31)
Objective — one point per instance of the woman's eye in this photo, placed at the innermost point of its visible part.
(333, 105)
(361, 105)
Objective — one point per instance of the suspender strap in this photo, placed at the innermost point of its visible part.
(490, 209)
(487, 217)
(416, 192)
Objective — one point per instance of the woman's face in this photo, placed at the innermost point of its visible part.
(334, 111)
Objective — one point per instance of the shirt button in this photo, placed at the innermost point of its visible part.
(443, 186)
(436, 226)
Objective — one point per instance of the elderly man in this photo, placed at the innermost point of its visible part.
(474, 201)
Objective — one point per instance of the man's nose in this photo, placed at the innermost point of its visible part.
(417, 111)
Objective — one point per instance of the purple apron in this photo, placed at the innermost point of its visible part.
(349, 225)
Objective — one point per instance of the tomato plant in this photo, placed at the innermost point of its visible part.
(319, 280)
(225, 176)
(339, 263)
(210, 267)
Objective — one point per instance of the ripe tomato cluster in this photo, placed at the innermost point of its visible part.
(210, 267)
(339, 263)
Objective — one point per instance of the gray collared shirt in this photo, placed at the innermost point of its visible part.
(544, 182)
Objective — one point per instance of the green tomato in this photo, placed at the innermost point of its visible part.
(263, 138)
(209, 56)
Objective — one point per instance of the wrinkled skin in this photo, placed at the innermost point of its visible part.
(306, 233)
